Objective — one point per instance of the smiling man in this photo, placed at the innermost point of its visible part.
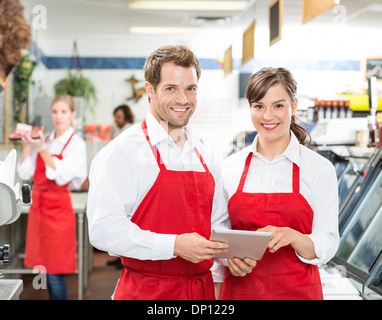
(155, 192)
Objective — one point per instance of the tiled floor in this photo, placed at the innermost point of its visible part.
(101, 283)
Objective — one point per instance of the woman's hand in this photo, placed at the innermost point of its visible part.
(240, 268)
(40, 146)
(39, 143)
(284, 236)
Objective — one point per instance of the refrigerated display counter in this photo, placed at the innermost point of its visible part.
(360, 223)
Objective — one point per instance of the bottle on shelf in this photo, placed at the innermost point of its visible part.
(316, 111)
(341, 109)
(379, 129)
(335, 111)
(324, 108)
(348, 111)
(371, 126)
(329, 108)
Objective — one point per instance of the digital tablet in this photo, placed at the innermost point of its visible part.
(242, 243)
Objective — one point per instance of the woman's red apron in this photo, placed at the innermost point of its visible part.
(51, 232)
(178, 202)
(280, 275)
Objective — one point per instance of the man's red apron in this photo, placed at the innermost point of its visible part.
(178, 202)
(51, 233)
(279, 275)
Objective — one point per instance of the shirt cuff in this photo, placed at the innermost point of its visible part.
(218, 271)
(318, 250)
(163, 246)
(24, 168)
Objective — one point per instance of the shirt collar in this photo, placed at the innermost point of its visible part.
(292, 152)
(62, 138)
(157, 133)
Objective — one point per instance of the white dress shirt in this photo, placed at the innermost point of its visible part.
(318, 185)
(117, 131)
(71, 169)
(121, 175)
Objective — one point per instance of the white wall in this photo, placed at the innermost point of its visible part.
(219, 109)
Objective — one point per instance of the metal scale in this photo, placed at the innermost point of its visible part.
(11, 202)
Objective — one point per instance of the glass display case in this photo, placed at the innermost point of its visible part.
(362, 182)
(348, 163)
(360, 223)
(374, 282)
(361, 218)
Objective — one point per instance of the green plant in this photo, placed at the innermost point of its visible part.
(22, 74)
(77, 85)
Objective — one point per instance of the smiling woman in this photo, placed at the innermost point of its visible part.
(278, 88)
(283, 188)
(271, 117)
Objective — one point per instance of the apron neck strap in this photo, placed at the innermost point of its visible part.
(67, 142)
(296, 178)
(154, 149)
(201, 159)
(245, 172)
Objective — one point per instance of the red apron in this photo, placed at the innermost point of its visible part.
(178, 202)
(280, 275)
(51, 232)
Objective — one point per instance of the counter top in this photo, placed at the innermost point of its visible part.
(10, 289)
(79, 201)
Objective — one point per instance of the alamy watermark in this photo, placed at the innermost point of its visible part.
(39, 20)
(39, 281)
(341, 15)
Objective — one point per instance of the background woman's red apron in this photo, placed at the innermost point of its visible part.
(51, 232)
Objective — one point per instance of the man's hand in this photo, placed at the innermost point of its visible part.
(195, 248)
(240, 268)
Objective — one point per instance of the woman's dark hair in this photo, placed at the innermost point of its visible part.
(129, 116)
(266, 78)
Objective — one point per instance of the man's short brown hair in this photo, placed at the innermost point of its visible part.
(179, 55)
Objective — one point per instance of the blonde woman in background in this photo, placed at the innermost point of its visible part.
(57, 163)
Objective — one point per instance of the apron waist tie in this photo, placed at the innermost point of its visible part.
(191, 281)
(191, 285)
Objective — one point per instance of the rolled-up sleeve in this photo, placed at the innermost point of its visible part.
(26, 168)
(114, 177)
(325, 234)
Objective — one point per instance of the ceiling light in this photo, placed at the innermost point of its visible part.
(163, 30)
(374, 8)
(189, 5)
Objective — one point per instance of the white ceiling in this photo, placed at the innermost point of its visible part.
(86, 17)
